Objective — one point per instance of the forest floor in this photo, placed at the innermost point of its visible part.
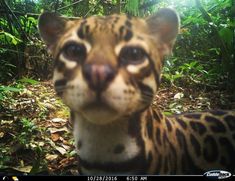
(34, 134)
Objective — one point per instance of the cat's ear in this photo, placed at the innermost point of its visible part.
(51, 26)
(164, 26)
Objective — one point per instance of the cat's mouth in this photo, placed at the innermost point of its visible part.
(98, 104)
(99, 112)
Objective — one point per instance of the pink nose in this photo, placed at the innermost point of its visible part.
(98, 76)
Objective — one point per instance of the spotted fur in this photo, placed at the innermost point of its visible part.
(107, 70)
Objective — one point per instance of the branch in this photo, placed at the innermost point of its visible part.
(69, 5)
(17, 13)
(92, 8)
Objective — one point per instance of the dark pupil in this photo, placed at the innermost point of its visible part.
(75, 52)
(132, 55)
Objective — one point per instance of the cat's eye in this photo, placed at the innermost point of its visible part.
(132, 55)
(75, 51)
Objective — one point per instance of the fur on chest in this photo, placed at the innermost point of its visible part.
(104, 143)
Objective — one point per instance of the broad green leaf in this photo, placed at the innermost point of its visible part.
(11, 89)
(226, 34)
(30, 81)
(9, 37)
(13, 40)
(1, 97)
(167, 113)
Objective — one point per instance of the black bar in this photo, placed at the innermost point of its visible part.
(106, 178)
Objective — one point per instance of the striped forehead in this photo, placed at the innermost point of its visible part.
(119, 27)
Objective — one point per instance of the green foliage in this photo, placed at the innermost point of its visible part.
(8, 38)
(4, 157)
(205, 46)
(8, 94)
(132, 7)
(19, 134)
(22, 146)
(16, 33)
(9, 89)
(5, 91)
(227, 35)
(28, 80)
(201, 40)
(28, 128)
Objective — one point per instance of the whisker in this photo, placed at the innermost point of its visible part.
(147, 94)
(61, 88)
(146, 98)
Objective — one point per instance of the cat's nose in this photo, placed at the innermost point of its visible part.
(98, 76)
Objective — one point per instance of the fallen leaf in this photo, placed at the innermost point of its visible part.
(66, 161)
(58, 120)
(66, 147)
(61, 150)
(73, 153)
(54, 130)
(58, 125)
(32, 145)
(36, 144)
(55, 136)
(51, 157)
(25, 169)
(64, 141)
(41, 143)
(1, 134)
(6, 122)
(50, 106)
(178, 95)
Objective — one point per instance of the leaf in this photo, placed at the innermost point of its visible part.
(11, 89)
(54, 130)
(1, 134)
(51, 157)
(167, 113)
(40, 143)
(11, 38)
(30, 81)
(61, 150)
(66, 147)
(9, 122)
(36, 144)
(55, 136)
(65, 162)
(58, 120)
(24, 169)
(227, 35)
(132, 6)
(1, 97)
(15, 178)
(179, 95)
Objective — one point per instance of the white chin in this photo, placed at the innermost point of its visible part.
(100, 115)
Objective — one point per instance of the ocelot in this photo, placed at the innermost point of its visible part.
(107, 71)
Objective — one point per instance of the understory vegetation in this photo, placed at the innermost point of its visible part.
(34, 136)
